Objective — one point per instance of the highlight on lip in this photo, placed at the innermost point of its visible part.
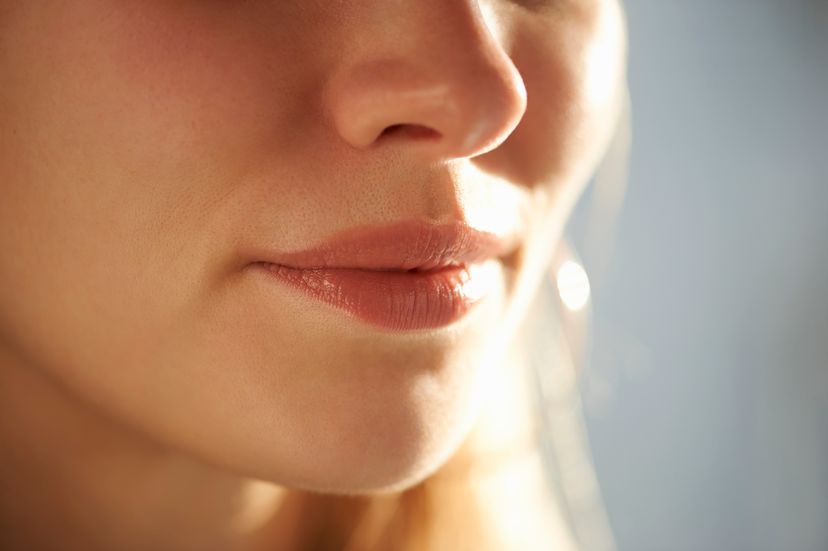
(395, 300)
(405, 276)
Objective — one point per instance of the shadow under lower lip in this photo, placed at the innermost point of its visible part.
(395, 300)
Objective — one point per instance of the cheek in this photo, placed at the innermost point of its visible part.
(573, 68)
(573, 71)
(113, 146)
(116, 144)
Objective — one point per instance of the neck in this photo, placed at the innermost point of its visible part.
(68, 473)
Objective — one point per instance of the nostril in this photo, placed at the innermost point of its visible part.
(412, 131)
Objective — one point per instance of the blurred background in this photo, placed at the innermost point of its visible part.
(706, 393)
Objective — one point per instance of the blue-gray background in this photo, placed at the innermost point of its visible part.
(706, 395)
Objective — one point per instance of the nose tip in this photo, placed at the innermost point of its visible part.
(450, 112)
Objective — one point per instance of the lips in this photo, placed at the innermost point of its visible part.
(401, 246)
(402, 277)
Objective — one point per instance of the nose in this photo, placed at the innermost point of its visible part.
(437, 80)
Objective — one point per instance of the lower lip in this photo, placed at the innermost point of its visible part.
(399, 301)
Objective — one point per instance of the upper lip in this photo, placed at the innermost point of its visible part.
(405, 245)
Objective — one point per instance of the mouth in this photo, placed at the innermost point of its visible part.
(404, 277)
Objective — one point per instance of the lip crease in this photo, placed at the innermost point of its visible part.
(404, 276)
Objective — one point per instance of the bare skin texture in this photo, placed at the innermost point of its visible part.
(148, 146)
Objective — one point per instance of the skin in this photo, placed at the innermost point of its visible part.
(148, 146)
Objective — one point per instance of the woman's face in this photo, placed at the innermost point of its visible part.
(154, 153)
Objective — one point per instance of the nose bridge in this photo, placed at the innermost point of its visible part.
(433, 69)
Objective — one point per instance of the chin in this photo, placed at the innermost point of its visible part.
(311, 401)
(379, 447)
(364, 435)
